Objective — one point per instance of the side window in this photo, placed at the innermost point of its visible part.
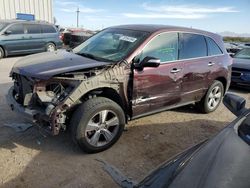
(213, 48)
(48, 29)
(32, 28)
(192, 46)
(164, 47)
(16, 29)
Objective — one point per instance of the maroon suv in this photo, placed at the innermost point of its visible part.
(119, 74)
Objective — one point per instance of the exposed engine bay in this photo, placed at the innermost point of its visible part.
(52, 100)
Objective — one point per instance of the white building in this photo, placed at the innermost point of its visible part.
(29, 9)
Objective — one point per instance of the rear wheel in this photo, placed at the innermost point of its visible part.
(97, 124)
(1, 53)
(50, 47)
(213, 97)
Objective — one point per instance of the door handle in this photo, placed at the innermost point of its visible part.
(175, 70)
(210, 64)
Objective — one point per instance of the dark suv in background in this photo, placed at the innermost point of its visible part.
(119, 74)
(26, 37)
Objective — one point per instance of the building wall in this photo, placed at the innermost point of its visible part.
(42, 9)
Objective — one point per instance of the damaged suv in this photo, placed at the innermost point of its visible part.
(119, 74)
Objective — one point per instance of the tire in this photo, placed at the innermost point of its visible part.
(50, 47)
(90, 132)
(1, 53)
(213, 98)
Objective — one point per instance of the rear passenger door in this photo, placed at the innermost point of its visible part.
(15, 41)
(194, 54)
(35, 42)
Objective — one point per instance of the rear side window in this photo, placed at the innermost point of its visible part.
(192, 46)
(16, 29)
(48, 29)
(32, 28)
(163, 47)
(213, 48)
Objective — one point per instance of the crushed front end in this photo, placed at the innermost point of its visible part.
(38, 100)
(49, 102)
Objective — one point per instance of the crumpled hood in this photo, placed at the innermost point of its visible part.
(48, 64)
(241, 63)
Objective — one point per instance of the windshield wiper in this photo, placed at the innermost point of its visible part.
(91, 56)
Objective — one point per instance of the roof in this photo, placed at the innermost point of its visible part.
(152, 28)
(18, 21)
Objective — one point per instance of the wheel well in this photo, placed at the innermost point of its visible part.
(4, 52)
(223, 81)
(51, 42)
(107, 93)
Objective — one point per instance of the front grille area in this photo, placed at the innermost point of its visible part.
(22, 86)
(236, 74)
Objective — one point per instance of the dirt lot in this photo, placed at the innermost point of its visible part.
(33, 159)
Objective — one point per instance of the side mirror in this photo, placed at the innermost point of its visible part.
(149, 62)
(234, 103)
(7, 32)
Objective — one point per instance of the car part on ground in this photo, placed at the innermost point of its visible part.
(221, 161)
(131, 70)
(241, 68)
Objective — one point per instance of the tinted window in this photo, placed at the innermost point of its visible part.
(163, 47)
(213, 48)
(33, 28)
(16, 29)
(192, 46)
(48, 29)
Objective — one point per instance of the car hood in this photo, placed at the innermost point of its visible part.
(48, 64)
(241, 63)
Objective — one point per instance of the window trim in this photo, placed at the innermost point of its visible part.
(179, 60)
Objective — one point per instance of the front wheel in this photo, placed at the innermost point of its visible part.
(50, 47)
(213, 97)
(97, 124)
(1, 53)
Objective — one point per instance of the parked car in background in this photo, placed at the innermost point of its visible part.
(75, 36)
(241, 68)
(232, 47)
(119, 74)
(222, 161)
(78, 38)
(27, 37)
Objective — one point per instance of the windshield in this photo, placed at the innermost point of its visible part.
(111, 44)
(2, 25)
(243, 54)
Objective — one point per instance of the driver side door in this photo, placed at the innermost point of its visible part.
(156, 89)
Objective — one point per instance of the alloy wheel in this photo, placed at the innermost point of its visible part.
(214, 97)
(102, 128)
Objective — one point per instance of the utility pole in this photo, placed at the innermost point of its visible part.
(77, 14)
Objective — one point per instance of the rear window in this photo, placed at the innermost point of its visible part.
(48, 29)
(16, 29)
(213, 48)
(33, 28)
(192, 46)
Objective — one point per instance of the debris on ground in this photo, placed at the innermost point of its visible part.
(19, 127)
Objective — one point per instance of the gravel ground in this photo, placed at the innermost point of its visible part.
(35, 159)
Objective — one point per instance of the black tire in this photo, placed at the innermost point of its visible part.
(50, 47)
(1, 53)
(85, 113)
(204, 105)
